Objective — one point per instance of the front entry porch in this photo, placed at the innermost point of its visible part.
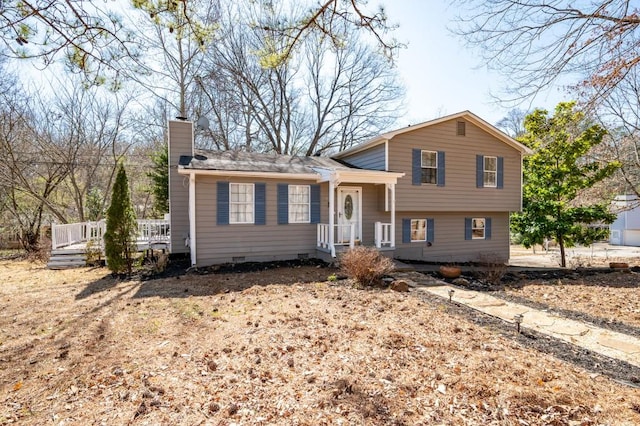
(361, 211)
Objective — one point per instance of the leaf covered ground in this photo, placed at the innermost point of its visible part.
(281, 346)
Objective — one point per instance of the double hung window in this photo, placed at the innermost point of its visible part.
(241, 203)
(299, 203)
(429, 164)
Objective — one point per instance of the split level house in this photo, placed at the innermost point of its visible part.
(439, 191)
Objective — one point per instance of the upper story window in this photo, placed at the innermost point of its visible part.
(429, 164)
(490, 171)
(478, 228)
(418, 230)
(241, 203)
(461, 128)
(299, 203)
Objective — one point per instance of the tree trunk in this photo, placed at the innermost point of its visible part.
(563, 260)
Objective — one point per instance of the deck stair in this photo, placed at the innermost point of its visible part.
(67, 258)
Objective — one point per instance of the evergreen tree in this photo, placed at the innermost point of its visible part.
(94, 204)
(159, 176)
(555, 174)
(122, 227)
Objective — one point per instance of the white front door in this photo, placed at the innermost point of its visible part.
(349, 212)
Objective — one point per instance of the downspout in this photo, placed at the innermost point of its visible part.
(393, 215)
(332, 247)
(192, 218)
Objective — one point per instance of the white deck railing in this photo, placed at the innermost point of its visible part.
(150, 231)
(382, 235)
(153, 231)
(342, 235)
(66, 234)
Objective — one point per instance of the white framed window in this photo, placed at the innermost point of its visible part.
(478, 228)
(241, 203)
(418, 230)
(490, 171)
(299, 203)
(429, 164)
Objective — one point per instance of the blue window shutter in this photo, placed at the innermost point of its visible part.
(467, 228)
(430, 230)
(479, 171)
(440, 168)
(487, 228)
(416, 174)
(406, 230)
(315, 203)
(223, 203)
(500, 180)
(283, 204)
(261, 203)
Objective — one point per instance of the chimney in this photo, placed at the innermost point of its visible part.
(180, 140)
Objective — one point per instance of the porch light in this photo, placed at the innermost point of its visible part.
(518, 320)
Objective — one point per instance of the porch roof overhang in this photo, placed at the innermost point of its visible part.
(359, 176)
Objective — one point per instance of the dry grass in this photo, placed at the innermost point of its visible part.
(274, 347)
(612, 296)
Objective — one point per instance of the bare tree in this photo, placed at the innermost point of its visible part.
(86, 131)
(593, 45)
(29, 174)
(513, 123)
(93, 39)
(321, 99)
(174, 50)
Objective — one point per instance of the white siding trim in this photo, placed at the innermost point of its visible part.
(192, 218)
(331, 216)
(386, 155)
(393, 215)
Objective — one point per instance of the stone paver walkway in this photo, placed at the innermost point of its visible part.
(602, 341)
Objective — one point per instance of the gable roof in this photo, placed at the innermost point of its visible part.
(467, 115)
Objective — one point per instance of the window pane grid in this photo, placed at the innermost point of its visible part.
(477, 228)
(418, 230)
(490, 171)
(241, 203)
(429, 164)
(299, 203)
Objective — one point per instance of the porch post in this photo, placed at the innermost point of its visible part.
(392, 187)
(192, 217)
(331, 217)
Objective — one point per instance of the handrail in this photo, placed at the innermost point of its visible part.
(343, 235)
(149, 231)
(383, 234)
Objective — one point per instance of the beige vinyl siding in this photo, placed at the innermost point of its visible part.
(449, 243)
(235, 242)
(460, 192)
(180, 143)
(371, 159)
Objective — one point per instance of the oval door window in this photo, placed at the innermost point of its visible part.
(348, 207)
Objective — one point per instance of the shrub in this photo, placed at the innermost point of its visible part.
(492, 269)
(120, 237)
(366, 265)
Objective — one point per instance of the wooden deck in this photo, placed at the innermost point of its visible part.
(69, 242)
